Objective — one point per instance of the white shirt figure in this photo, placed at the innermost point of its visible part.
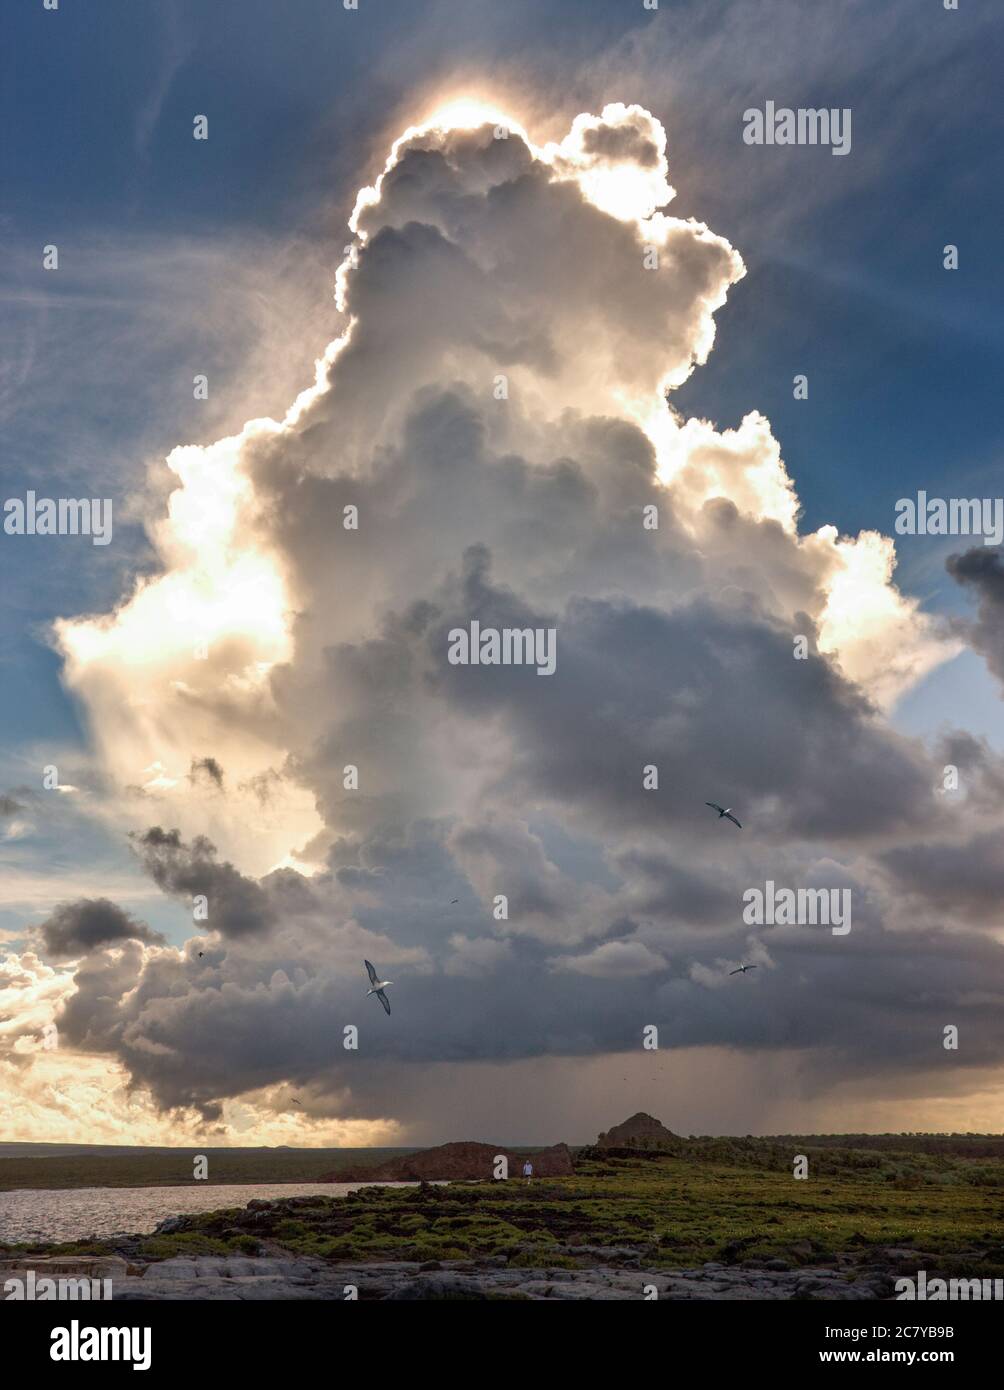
(528, 1170)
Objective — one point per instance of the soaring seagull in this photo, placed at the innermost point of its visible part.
(378, 985)
(723, 811)
(742, 970)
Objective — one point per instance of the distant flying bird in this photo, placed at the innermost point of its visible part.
(378, 985)
(742, 970)
(201, 954)
(454, 900)
(723, 811)
(298, 1102)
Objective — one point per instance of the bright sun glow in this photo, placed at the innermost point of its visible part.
(467, 113)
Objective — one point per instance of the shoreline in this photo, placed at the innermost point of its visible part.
(280, 1278)
(709, 1219)
(206, 1183)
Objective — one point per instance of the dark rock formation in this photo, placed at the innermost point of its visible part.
(607, 1277)
(464, 1160)
(641, 1131)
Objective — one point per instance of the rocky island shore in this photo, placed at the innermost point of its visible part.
(266, 1270)
(643, 1214)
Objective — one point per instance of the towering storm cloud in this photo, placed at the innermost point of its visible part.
(490, 447)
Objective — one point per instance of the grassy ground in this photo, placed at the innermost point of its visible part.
(175, 1168)
(677, 1211)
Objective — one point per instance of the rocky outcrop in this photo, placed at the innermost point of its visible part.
(75, 1267)
(641, 1131)
(231, 1279)
(459, 1162)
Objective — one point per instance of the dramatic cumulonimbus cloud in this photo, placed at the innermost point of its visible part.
(492, 438)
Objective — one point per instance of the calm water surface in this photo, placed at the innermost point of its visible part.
(70, 1214)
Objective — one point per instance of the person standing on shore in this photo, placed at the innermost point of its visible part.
(528, 1170)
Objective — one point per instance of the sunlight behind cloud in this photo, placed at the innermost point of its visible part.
(489, 434)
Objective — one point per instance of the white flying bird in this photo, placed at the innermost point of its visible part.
(742, 970)
(723, 811)
(378, 985)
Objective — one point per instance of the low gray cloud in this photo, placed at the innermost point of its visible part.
(614, 960)
(981, 571)
(90, 924)
(964, 879)
(236, 904)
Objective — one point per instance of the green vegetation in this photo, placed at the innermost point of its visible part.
(726, 1200)
(932, 1159)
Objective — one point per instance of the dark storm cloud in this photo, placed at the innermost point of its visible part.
(236, 904)
(75, 929)
(667, 889)
(981, 571)
(708, 693)
(872, 1004)
(94, 1016)
(964, 879)
(980, 769)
